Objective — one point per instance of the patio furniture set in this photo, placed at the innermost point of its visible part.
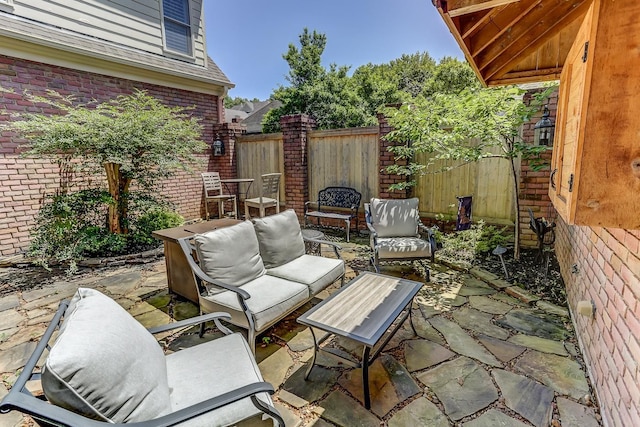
(247, 273)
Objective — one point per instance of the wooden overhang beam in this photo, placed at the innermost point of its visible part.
(465, 7)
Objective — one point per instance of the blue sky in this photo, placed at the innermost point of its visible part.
(247, 38)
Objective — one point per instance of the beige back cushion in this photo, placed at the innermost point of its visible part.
(395, 217)
(104, 364)
(230, 254)
(279, 237)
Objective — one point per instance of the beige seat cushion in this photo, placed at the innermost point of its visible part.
(104, 364)
(210, 369)
(403, 247)
(395, 218)
(279, 237)
(230, 254)
(271, 298)
(314, 271)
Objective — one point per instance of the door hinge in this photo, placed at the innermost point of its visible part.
(586, 52)
(571, 183)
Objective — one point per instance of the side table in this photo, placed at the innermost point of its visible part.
(312, 247)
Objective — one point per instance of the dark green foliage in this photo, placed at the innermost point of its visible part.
(72, 226)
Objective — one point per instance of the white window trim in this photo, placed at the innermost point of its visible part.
(171, 52)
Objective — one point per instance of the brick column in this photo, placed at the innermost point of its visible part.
(386, 159)
(226, 164)
(294, 138)
(533, 190)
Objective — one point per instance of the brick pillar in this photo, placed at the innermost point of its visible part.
(226, 164)
(533, 190)
(296, 179)
(386, 159)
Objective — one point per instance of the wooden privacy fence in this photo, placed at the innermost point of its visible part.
(260, 154)
(489, 181)
(350, 158)
(344, 158)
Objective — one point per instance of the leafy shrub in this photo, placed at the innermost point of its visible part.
(73, 226)
(463, 247)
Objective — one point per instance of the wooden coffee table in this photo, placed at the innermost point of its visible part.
(369, 310)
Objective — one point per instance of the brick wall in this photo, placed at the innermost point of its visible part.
(27, 182)
(603, 265)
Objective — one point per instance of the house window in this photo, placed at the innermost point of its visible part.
(177, 26)
(6, 5)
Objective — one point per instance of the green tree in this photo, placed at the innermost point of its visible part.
(132, 138)
(230, 102)
(464, 126)
(328, 96)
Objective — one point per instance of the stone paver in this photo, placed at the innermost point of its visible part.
(489, 305)
(343, 411)
(494, 418)
(541, 344)
(533, 322)
(441, 357)
(477, 321)
(521, 294)
(389, 384)
(503, 350)
(560, 373)
(460, 342)
(420, 412)
(422, 354)
(575, 414)
(462, 385)
(526, 397)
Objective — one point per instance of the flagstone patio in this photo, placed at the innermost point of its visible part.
(485, 354)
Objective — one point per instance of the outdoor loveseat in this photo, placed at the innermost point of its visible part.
(257, 271)
(106, 369)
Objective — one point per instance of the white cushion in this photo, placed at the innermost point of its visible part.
(230, 254)
(314, 271)
(395, 218)
(403, 247)
(104, 364)
(210, 369)
(279, 237)
(271, 299)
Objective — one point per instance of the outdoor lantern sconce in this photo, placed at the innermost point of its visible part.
(218, 146)
(543, 130)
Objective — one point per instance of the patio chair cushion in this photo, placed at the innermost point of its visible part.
(230, 254)
(279, 237)
(104, 364)
(403, 247)
(314, 271)
(220, 374)
(271, 298)
(395, 218)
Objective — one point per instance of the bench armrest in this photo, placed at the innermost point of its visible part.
(311, 203)
(429, 233)
(195, 321)
(336, 248)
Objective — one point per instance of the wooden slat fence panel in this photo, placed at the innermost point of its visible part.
(488, 181)
(344, 158)
(260, 154)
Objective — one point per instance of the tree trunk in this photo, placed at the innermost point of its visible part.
(113, 178)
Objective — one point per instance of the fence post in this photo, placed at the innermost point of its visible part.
(386, 159)
(296, 176)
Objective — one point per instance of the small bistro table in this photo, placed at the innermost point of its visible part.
(179, 274)
(369, 310)
(239, 191)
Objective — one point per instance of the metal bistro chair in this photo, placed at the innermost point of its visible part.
(269, 195)
(213, 191)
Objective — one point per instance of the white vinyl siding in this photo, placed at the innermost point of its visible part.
(132, 23)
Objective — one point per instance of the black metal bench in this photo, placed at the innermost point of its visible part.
(341, 203)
